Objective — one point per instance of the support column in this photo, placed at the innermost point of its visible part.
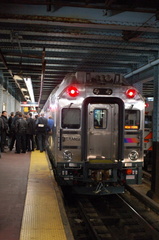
(155, 164)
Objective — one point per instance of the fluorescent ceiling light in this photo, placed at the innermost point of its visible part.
(28, 83)
(17, 77)
(24, 89)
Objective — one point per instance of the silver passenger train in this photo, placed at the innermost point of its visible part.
(97, 142)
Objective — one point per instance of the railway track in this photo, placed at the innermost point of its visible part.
(146, 177)
(107, 218)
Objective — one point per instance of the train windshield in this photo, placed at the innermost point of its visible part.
(71, 118)
(132, 119)
(100, 116)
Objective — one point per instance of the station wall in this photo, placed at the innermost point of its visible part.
(8, 102)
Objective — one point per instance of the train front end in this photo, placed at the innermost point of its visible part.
(95, 150)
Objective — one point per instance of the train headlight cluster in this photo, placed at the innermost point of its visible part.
(67, 155)
(133, 155)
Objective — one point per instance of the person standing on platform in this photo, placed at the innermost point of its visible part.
(20, 129)
(1, 129)
(4, 130)
(30, 132)
(50, 124)
(13, 137)
(41, 130)
(10, 133)
(36, 137)
(50, 127)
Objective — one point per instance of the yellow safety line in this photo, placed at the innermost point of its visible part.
(41, 218)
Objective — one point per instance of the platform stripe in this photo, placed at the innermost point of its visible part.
(41, 219)
(131, 140)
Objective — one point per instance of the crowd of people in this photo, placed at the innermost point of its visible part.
(24, 132)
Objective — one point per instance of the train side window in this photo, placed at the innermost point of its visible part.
(132, 119)
(100, 116)
(71, 118)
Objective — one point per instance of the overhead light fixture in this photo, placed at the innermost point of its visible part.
(24, 89)
(28, 83)
(17, 77)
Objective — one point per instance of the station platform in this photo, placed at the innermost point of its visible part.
(31, 206)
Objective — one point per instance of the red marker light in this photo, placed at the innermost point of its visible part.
(147, 105)
(72, 91)
(128, 171)
(131, 93)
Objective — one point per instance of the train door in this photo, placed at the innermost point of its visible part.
(102, 140)
(103, 129)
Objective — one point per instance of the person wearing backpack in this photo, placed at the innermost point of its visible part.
(41, 131)
(20, 129)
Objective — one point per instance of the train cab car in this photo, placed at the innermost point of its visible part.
(97, 142)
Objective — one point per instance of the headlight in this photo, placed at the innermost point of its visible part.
(67, 155)
(133, 155)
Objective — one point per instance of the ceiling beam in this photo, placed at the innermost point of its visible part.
(136, 6)
(42, 75)
(85, 25)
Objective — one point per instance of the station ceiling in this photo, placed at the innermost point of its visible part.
(46, 39)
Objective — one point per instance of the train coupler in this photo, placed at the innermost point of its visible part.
(101, 188)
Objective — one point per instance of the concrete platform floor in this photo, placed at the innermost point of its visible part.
(14, 170)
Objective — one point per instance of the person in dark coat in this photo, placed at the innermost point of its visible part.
(12, 129)
(36, 137)
(1, 128)
(30, 132)
(4, 130)
(20, 129)
(41, 131)
(10, 120)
